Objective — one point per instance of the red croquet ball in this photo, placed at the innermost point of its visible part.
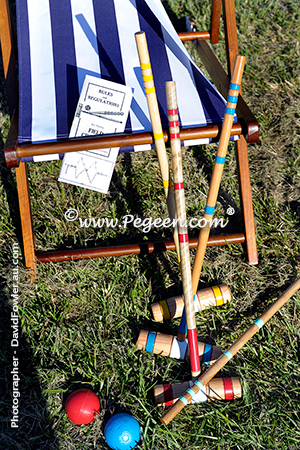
(82, 406)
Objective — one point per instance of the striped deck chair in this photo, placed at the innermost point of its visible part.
(61, 41)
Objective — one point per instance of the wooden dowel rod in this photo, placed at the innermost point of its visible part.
(223, 359)
(192, 35)
(218, 167)
(14, 151)
(184, 250)
(160, 145)
(131, 249)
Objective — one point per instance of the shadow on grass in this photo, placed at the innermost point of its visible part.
(25, 423)
(28, 425)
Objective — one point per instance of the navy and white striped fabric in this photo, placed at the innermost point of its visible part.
(60, 41)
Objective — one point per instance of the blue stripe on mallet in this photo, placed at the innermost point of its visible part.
(232, 98)
(235, 87)
(207, 353)
(182, 327)
(259, 323)
(230, 111)
(150, 342)
(209, 210)
(220, 159)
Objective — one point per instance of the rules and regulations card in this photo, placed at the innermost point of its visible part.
(102, 108)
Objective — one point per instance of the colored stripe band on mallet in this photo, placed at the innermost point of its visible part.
(220, 159)
(183, 238)
(150, 342)
(191, 392)
(147, 77)
(158, 136)
(167, 183)
(168, 393)
(209, 210)
(207, 353)
(218, 295)
(183, 399)
(232, 98)
(235, 87)
(146, 66)
(165, 309)
(199, 384)
(230, 111)
(150, 90)
(182, 326)
(228, 390)
(228, 354)
(259, 323)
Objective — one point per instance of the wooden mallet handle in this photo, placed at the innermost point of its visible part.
(223, 359)
(216, 177)
(160, 146)
(218, 167)
(184, 250)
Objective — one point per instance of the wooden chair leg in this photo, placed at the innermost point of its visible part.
(216, 9)
(26, 217)
(241, 145)
(230, 28)
(246, 200)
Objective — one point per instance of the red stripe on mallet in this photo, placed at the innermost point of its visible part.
(179, 185)
(228, 388)
(193, 348)
(168, 394)
(183, 238)
(172, 112)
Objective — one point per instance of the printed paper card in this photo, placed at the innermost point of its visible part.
(102, 108)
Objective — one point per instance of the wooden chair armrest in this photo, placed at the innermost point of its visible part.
(14, 151)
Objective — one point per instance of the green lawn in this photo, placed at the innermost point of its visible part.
(80, 320)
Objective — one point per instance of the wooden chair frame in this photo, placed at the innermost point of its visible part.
(247, 128)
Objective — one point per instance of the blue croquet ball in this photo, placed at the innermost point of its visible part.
(122, 432)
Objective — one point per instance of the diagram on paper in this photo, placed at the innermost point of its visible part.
(87, 171)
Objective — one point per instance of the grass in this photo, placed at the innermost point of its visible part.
(80, 321)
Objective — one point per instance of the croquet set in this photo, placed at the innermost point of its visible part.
(172, 102)
(122, 430)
